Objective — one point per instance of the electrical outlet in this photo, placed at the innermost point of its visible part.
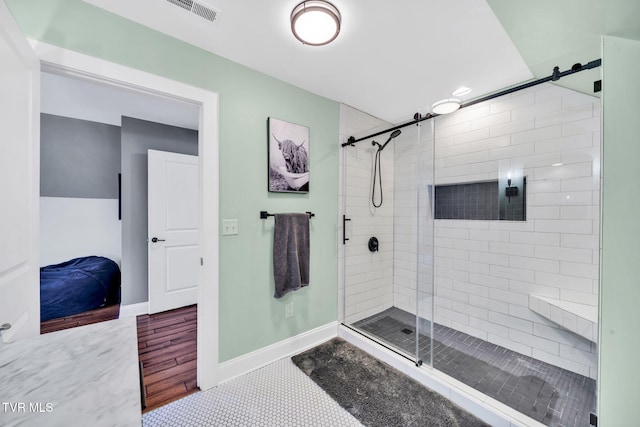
(288, 310)
(229, 227)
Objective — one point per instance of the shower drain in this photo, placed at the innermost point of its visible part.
(407, 331)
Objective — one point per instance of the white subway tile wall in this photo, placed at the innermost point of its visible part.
(484, 270)
(368, 275)
(553, 139)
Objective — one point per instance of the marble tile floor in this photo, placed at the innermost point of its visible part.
(546, 393)
(278, 394)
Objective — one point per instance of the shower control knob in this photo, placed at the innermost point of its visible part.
(373, 244)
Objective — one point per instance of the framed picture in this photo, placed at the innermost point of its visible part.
(288, 157)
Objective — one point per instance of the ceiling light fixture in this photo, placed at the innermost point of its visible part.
(315, 23)
(445, 106)
(462, 90)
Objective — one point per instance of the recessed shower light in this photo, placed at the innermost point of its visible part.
(557, 164)
(462, 90)
(445, 106)
(316, 22)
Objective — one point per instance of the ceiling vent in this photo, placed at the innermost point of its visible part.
(198, 8)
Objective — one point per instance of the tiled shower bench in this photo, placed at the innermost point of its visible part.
(580, 319)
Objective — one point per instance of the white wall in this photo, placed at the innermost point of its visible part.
(369, 276)
(73, 227)
(79, 167)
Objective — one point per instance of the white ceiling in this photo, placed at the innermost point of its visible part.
(390, 60)
(93, 101)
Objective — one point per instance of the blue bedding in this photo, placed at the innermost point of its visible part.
(78, 285)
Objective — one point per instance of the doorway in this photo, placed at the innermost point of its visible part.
(80, 66)
(104, 176)
(93, 195)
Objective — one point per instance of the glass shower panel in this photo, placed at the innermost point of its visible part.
(516, 250)
(408, 164)
(372, 304)
(425, 242)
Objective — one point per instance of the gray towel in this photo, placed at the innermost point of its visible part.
(290, 252)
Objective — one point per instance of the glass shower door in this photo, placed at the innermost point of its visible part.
(380, 251)
(425, 243)
(517, 256)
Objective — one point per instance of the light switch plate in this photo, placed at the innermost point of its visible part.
(229, 227)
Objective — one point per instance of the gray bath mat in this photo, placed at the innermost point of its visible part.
(374, 392)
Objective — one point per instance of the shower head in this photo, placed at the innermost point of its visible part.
(394, 134)
(377, 170)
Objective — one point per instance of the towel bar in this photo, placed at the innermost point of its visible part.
(265, 214)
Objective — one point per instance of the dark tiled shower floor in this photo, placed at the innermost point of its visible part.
(546, 393)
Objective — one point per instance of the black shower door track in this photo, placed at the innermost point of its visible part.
(417, 118)
(417, 361)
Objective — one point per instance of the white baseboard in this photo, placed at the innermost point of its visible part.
(132, 310)
(266, 355)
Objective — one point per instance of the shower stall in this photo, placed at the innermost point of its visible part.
(485, 265)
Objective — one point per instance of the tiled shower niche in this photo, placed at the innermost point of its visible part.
(481, 201)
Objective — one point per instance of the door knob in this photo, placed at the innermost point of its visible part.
(156, 240)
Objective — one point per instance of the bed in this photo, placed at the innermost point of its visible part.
(78, 285)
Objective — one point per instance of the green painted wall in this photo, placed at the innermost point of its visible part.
(250, 318)
(549, 33)
(619, 392)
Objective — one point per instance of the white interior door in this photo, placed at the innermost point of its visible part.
(19, 181)
(174, 254)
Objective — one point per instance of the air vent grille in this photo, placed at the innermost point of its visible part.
(185, 4)
(197, 8)
(204, 11)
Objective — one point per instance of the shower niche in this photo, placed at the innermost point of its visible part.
(482, 201)
(486, 211)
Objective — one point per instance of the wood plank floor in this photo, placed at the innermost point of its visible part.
(167, 349)
(87, 318)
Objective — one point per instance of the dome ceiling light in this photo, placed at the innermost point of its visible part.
(462, 90)
(445, 106)
(315, 23)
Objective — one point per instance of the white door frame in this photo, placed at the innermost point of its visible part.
(75, 64)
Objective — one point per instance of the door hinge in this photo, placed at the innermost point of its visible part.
(201, 261)
(593, 419)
